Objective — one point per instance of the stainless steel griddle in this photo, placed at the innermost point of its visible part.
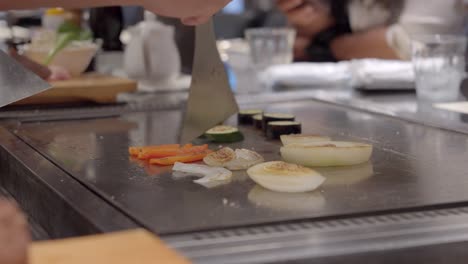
(414, 167)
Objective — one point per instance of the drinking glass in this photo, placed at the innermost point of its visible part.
(439, 65)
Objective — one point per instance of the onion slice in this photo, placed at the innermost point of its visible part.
(211, 176)
(302, 139)
(240, 159)
(327, 153)
(280, 176)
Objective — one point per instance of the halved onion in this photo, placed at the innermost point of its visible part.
(240, 159)
(285, 177)
(211, 176)
(327, 153)
(302, 139)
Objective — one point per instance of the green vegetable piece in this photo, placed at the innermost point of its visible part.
(62, 42)
(67, 27)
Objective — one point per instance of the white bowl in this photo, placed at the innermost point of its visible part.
(74, 58)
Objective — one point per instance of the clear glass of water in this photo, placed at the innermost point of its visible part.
(439, 65)
(270, 46)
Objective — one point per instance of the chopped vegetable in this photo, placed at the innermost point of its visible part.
(327, 153)
(245, 117)
(270, 117)
(277, 128)
(170, 151)
(302, 139)
(224, 134)
(134, 151)
(189, 157)
(212, 176)
(258, 121)
(220, 157)
(240, 159)
(285, 177)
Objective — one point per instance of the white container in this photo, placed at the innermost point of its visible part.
(53, 18)
(75, 58)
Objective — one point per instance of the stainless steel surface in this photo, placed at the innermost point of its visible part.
(55, 201)
(325, 239)
(413, 167)
(16, 82)
(211, 100)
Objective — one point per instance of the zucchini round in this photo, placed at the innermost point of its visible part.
(245, 117)
(276, 129)
(224, 134)
(258, 121)
(270, 117)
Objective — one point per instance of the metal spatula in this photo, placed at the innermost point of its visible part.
(211, 100)
(16, 82)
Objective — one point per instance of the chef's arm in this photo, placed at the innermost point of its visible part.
(71, 4)
(191, 12)
(372, 43)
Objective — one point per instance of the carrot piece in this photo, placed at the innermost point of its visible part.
(194, 149)
(158, 153)
(186, 158)
(162, 153)
(134, 151)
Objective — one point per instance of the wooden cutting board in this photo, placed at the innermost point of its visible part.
(92, 87)
(127, 247)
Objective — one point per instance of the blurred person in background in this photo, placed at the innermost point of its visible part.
(333, 30)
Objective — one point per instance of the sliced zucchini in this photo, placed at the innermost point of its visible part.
(258, 121)
(277, 128)
(224, 134)
(302, 139)
(327, 153)
(245, 117)
(280, 176)
(270, 117)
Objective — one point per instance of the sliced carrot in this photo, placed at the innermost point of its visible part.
(163, 153)
(134, 151)
(158, 153)
(186, 158)
(193, 149)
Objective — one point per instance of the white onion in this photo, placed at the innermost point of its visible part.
(302, 139)
(220, 157)
(211, 176)
(327, 153)
(240, 159)
(285, 177)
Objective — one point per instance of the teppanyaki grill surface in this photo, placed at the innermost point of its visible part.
(412, 166)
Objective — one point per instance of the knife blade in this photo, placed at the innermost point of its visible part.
(16, 82)
(211, 100)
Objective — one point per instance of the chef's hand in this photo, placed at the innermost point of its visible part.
(14, 234)
(308, 17)
(191, 12)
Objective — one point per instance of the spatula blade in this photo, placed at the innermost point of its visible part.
(16, 82)
(211, 100)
